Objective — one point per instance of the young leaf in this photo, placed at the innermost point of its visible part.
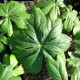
(19, 70)
(13, 60)
(51, 7)
(7, 74)
(8, 71)
(74, 62)
(70, 17)
(41, 34)
(12, 11)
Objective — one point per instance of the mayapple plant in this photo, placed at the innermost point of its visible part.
(38, 35)
(7, 71)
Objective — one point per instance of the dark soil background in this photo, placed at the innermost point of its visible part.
(43, 75)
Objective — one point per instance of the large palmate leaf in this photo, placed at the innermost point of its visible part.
(9, 72)
(3, 40)
(41, 35)
(70, 18)
(12, 11)
(74, 62)
(51, 7)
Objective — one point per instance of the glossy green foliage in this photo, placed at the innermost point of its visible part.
(43, 37)
(70, 18)
(12, 12)
(76, 33)
(76, 30)
(74, 62)
(8, 71)
(3, 40)
(51, 7)
(56, 68)
(6, 59)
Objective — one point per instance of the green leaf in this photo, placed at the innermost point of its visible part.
(51, 7)
(6, 59)
(3, 40)
(76, 30)
(2, 48)
(9, 71)
(56, 68)
(13, 60)
(1, 21)
(73, 55)
(7, 27)
(13, 11)
(77, 42)
(74, 62)
(43, 4)
(76, 76)
(77, 46)
(70, 18)
(18, 71)
(41, 34)
(15, 78)
(1, 69)
(76, 33)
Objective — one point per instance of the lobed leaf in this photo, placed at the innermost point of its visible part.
(56, 68)
(8, 70)
(51, 8)
(13, 12)
(74, 62)
(41, 35)
(70, 18)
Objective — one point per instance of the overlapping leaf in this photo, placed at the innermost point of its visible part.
(76, 33)
(12, 11)
(3, 40)
(76, 30)
(70, 17)
(7, 72)
(51, 7)
(56, 68)
(41, 35)
(74, 62)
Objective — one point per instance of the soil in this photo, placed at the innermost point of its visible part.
(43, 75)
